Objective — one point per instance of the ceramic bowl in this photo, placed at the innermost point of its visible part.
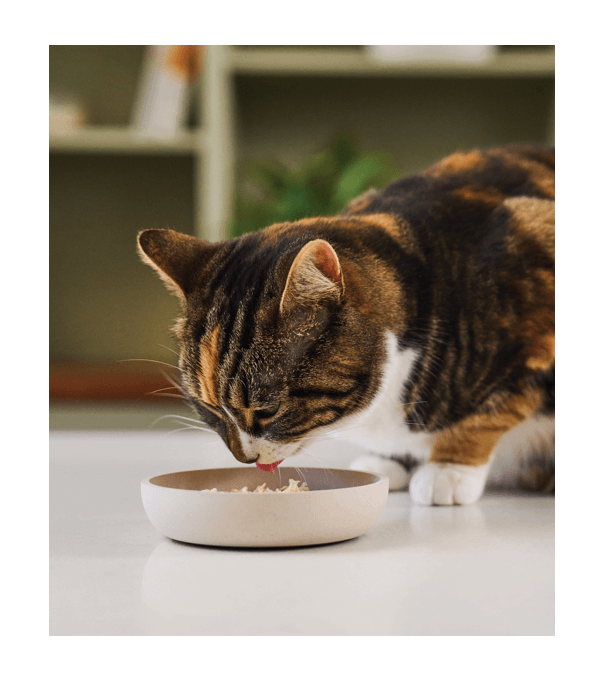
(341, 504)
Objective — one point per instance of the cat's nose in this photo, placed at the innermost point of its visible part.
(247, 460)
(241, 453)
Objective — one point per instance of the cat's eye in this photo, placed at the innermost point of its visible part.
(269, 411)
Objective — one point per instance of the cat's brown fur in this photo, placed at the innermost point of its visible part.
(457, 262)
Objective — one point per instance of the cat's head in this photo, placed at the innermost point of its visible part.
(277, 342)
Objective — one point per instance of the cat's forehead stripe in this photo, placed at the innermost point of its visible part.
(209, 359)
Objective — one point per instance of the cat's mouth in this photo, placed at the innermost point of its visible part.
(266, 459)
(268, 467)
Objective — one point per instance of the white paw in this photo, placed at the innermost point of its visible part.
(446, 484)
(397, 474)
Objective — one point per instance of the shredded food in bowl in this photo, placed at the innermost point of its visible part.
(293, 486)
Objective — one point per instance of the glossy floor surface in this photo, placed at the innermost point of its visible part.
(486, 569)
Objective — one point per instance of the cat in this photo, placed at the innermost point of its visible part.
(418, 323)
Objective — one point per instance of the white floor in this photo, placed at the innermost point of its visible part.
(486, 569)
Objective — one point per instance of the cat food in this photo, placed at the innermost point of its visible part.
(293, 486)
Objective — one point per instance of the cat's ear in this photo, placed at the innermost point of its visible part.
(315, 278)
(177, 258)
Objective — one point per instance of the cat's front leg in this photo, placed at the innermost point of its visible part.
(396, 468)
(448, 484)
(459, 464)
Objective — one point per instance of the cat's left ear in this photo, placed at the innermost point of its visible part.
(178, 258)
(315, 278)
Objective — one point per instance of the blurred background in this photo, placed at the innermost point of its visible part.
(217, 141)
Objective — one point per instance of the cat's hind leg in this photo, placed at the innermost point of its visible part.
(396, 468)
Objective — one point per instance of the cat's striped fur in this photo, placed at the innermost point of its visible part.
(290, 331)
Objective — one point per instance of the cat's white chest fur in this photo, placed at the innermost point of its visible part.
(382, 429)
(381, 426)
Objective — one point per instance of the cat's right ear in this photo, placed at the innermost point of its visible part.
(177, 258)
(315, 278)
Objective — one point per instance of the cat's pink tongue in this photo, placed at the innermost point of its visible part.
(268, 467)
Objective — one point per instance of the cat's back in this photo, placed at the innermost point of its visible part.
(477, 213)
(457, 196)
(484, 175)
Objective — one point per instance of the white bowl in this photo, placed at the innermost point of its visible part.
(341, 504)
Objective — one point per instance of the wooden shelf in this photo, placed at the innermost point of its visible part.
(106, 139)
(108, 381)
(353, 62)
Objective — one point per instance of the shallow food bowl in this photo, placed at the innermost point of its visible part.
(341, 504)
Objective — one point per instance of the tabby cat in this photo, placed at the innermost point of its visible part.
(418, 323)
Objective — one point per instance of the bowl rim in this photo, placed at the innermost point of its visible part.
(378, 479)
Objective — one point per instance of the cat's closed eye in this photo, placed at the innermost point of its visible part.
(268, 412)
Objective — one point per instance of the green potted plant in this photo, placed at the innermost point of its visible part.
(322, 185)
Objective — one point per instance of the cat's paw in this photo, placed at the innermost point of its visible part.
(447, 484)
(397, 474)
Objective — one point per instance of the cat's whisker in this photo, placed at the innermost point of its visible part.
(302, 477)
(182, 429)
(173, 381)
(168, 349)
(337, 433)
(166, 395)
(178, 417)
(190, 419)
(157, 391)
(344, 434)
(185, 397)
(146, 360)
(312, 455)
(201, 429)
